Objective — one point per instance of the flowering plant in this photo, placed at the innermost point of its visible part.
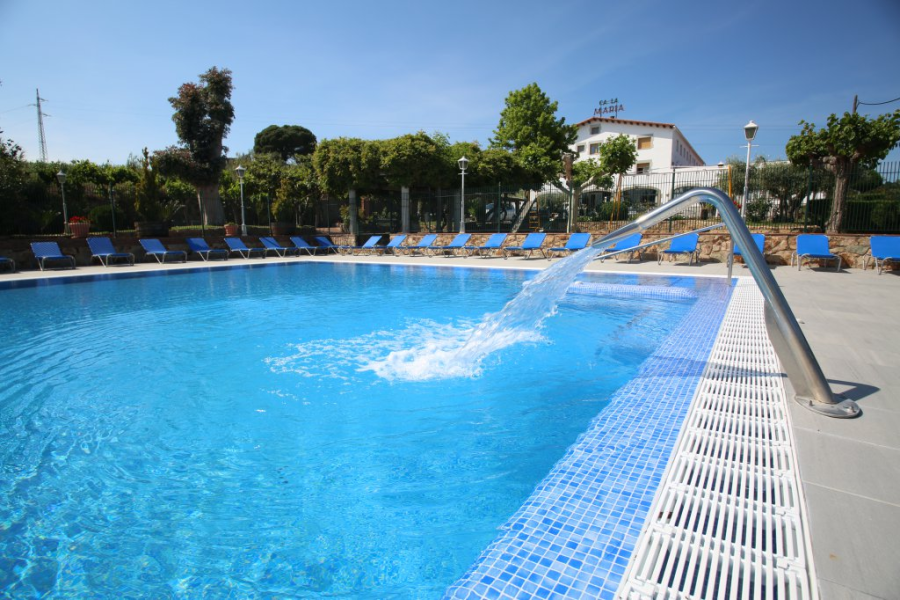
(79, 220)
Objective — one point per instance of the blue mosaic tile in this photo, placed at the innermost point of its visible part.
(574, 536)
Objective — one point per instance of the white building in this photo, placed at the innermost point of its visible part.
(660, 146)
(666, 166)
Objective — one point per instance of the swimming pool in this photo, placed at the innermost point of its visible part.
(234, 432)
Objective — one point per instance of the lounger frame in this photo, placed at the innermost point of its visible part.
(238, 245)
(884, 249)
(814, 246)
(199, 246)
(576, 242)
(44, 251)
(303, 245)
(424, 244)
(394, 245)
(153, 247)
(103, 250)
(270, 244)
(493, 243)
(533, 242)
(682, 245)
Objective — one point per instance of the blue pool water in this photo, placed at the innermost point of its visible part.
(246, 432)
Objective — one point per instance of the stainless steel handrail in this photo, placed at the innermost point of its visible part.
(810, 386)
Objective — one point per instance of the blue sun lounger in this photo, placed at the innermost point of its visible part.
(884, 249)
(238, 245)
(686, 244)
(153, 247)
(199, 246)
(393, 246)
(103, 250)
(533, 241)
(271, 245)
(424, 244)
(495, 242)
(303, 245)
(758, 238)
(576, 242)
(814, 245)
(44, 251)
(622, 247)
(370, 245)
(328, 245)
(458, 243)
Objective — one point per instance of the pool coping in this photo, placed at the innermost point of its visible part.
(24, 279)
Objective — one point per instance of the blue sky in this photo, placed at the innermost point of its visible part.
(381, 69)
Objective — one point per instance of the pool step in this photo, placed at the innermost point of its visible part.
(664, 292)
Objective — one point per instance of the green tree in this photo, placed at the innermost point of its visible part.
(493, 166)
(787, 184)
(616, 155)
(263, 178)
(530, 130)
(13, 174)
(286, 141)
(847, 141)
(411, 160)
(343, 164)
(203, 117)
(148, 202)
(486, 167)
(296, 192)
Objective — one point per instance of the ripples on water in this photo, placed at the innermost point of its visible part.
(302, 431)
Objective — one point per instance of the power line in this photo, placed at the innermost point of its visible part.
(856, 103)
(878, 103)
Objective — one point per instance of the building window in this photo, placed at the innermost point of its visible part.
(595, 148)
(642, 168)
(595, 129)
(644, 143)
(579, 148)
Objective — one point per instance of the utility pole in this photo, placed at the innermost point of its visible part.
(855, 102)
(42, 140)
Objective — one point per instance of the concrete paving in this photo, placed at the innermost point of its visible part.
(850, 468)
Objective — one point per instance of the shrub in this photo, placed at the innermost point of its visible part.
(758, 210)
(101, 218)
(615, 211)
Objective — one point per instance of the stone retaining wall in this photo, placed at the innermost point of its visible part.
(714, 245)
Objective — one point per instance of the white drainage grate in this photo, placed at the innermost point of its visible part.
(728, 521)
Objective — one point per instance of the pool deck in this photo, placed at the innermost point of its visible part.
(850, 469)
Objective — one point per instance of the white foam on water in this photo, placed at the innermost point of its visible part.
(426, 350)
(461, 353)
(443, 353)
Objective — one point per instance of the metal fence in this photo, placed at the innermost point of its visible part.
(781, 197)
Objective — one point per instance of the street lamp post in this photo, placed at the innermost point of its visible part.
(750, 130)
(240, 173)
(463, 163)
(61, 177)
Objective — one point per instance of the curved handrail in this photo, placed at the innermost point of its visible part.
(810, 386)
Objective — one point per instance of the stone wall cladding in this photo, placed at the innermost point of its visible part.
(714, 245)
